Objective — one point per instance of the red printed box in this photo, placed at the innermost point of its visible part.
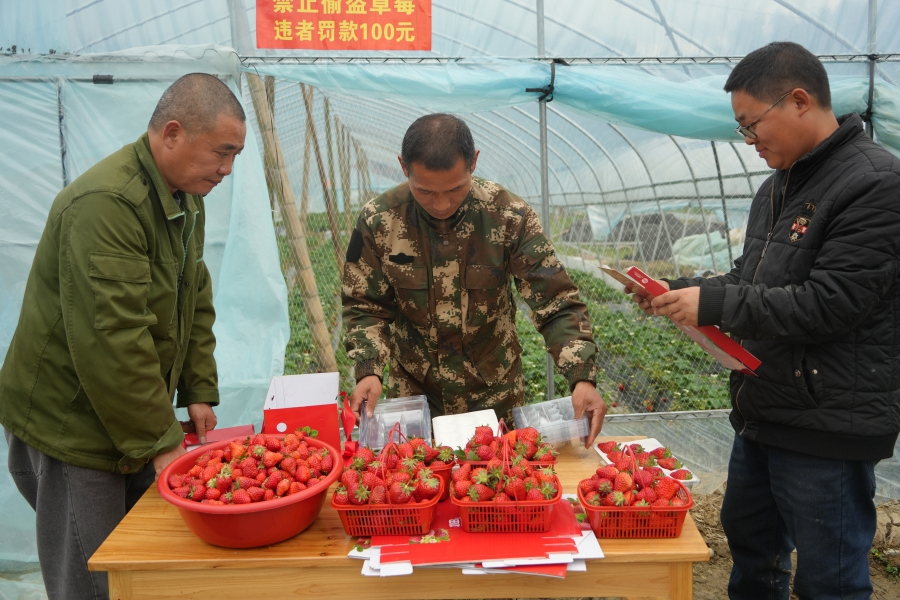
(191, 440)
(296, 401)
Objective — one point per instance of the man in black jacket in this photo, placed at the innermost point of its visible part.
(816, 297)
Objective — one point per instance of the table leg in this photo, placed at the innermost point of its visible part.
(681, 581)
(120, 585)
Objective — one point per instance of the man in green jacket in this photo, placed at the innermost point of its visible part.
(117, 317)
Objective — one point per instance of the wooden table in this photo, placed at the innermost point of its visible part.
(153, 555)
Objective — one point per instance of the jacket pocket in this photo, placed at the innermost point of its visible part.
(805, 377)
(482, 285)
(120, 285)
(494, 367)
(410, 283)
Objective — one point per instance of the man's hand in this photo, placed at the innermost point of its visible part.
(586, 399)
(642, 302)
(681, 305)
(203, 418)
(161, 461)
(369, 389)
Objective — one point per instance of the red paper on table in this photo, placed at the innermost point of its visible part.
(709, 337)
(557, 570)
(344, 24)
(191, 440)
(453, 545)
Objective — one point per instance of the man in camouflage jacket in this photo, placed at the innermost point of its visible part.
(426, 286)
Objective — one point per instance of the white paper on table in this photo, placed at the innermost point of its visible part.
(588, 547)
(455, 430)
(555, 558)
(396, 569)
(364, 554)
(577, 566)
(368, 571)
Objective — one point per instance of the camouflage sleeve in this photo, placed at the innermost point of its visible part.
(560, 317)
(368, 302)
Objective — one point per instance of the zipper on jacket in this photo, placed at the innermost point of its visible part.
(762, 255)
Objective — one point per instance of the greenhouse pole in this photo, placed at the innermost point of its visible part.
(545, 177)
(296, 231)
(724, 208)
(870, 48)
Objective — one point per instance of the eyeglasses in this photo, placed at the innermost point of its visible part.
(747, 130)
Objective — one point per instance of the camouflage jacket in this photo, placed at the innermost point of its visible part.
(434, 298)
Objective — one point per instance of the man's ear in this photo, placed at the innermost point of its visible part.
(170, 133)
(801, 101)
(474, 160)
(402, 166)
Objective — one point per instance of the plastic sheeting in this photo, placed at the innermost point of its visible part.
(50, 111)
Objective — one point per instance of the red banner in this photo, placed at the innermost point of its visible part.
(343, 24)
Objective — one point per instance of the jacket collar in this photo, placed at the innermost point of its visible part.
(443, 224)
(850, 127)
(169, 206)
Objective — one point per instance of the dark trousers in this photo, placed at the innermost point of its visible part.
(76, 509)
(777, 500)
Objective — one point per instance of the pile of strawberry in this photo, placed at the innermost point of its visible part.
(661, 457)
(402, 475)
(497, 482)
(525, 443)
(255, 469)
(620, 484)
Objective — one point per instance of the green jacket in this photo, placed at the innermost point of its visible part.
(117, 316)
(435, 299)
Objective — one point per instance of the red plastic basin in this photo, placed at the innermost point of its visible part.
(249, 525)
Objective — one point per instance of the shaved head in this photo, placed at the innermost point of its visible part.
(196, 101)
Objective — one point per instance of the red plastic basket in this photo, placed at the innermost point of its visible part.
(387, 519)
(638, 522)
(442, 472)
(508, 517)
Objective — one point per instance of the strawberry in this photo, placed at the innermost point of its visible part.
(296, 487)
(670, 464)
(623, 482)
(427, 488)
(614, 499)
(400, 493)
(378, 495)
(401, 477)
(461, 488)
(480, 493)
(327, 462)
(483, 435)
(258, 451)
(209, 472)
(270, 459)
(679, 501)
(636, 448)
(515, 489)
(175, 481)
(661, 452)
(270, 494)
(593, 498)
(291, 441)
(261, 476)
(660, 502)
(289, 464)
(534, 495)
(358, 494)
(273, 444)
(681, 474)
(182, 491)
(237, 449)
(655, 471)
(244, 483)
(283, 486)
(340, 496)
(614, 456)
(545, 452)
(526, 448)
(501, 497)
(315, 462)
(624, 465)
(528, 433)
(195, 471)
(368, 479)
(608, 472)
(604, 486)
(607, 447)
(587, 485)
(485, 452)
(665, 488)
(273, 480)
(643, 478)
(240, 496)
(366, 454)
(256, 493)
(647, 494)
(462, 473)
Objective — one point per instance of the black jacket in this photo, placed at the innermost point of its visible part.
(817, 299)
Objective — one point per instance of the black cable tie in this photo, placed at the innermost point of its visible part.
(547, 91)
(103, 79)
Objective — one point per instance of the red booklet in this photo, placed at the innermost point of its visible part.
(724, 349)
(447, 544)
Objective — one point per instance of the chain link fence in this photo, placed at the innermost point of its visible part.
(619, 197)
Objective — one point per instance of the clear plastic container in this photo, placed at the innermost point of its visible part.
(411, 412)
(555, 419)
